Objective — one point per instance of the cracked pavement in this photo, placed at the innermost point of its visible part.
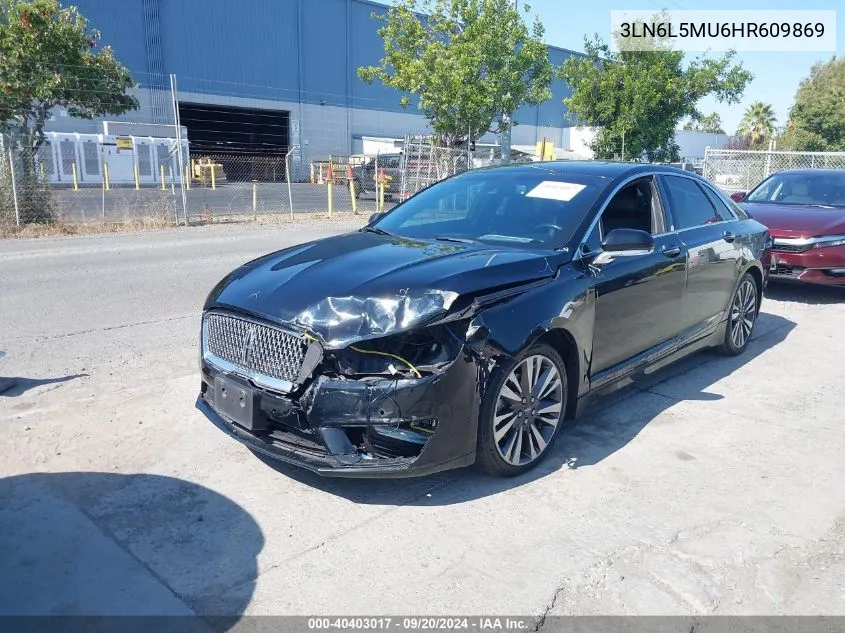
(718, 487)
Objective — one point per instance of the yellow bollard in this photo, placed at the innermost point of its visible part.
(381, 196)
(161, 169)
(213, 175)
(106, 176)
(193, 169)
(330, 181)
(75, 181)
(255, 199)
(187, 177)
(137, 179)
(352, 195)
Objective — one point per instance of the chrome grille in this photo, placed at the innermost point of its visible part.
(790, 248)
(254, 347)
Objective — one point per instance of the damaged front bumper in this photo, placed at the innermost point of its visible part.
(373, 427)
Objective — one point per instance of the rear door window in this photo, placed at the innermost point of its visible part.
(689, 205)
(722, 208)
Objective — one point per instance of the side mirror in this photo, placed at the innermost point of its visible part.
(738, 196)
(375, 217)
(620, 240)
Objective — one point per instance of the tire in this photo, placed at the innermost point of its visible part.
(742, 316)
(506, 449)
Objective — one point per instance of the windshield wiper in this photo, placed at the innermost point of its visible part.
(459, 240)
(375, 229)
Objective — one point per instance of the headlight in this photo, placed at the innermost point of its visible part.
(342, 320)
(831, 240)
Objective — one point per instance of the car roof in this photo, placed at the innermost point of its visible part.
(601, 169)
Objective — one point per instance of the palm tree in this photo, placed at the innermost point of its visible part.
(758, 123)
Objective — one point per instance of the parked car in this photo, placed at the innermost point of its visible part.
(805, 213)
(474, 320)
(365, 175)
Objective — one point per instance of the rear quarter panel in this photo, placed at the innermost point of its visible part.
(755, 249)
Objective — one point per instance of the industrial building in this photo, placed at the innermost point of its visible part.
(262, 76)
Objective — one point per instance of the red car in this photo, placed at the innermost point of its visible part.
(804, 210)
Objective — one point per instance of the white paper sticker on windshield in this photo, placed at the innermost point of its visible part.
(554, 190)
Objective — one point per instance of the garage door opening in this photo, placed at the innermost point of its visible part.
(250, 142)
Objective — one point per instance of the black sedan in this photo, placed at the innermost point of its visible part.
(471, 322)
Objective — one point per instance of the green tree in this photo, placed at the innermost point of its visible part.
(817, 117)
(758, 124)
(469, 62)
(638, 97)
(710, 123)
(48, 59)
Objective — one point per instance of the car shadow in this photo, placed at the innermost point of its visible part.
(804, 293)
(13, 387)
(106, 544)
(585, 442)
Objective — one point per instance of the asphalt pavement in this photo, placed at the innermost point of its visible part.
(717, 489)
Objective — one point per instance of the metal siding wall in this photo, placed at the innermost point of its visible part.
(232, 48)
(266, 51)
(525, 115)
(367, 50)
(553, 112)
(121, 24)
(323, 50)
(379, 123)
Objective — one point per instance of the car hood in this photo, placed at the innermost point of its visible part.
(359, 285)
(786, 220)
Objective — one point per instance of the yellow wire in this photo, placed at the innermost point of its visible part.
(370, 351)
(399, 358)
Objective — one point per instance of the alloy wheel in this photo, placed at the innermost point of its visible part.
(528, 409)
(743, 313)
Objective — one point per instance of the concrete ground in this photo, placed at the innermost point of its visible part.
(720, 488)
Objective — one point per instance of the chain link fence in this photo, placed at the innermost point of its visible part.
(207, 151)
(741, 170)
(24, 187)
(180, 158)
(77, 178)
(423, 164)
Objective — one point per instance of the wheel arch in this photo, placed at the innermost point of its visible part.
(757, 273)
(564, 344)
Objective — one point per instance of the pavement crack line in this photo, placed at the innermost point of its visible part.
(41, 339)
(601, 568)
(541, 621)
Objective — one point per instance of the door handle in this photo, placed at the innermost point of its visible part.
(671, 251)
(728, 236)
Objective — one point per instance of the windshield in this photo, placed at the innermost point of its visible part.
(826, 189)
(530, 208)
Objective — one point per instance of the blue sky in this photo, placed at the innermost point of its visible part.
(776, 75)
